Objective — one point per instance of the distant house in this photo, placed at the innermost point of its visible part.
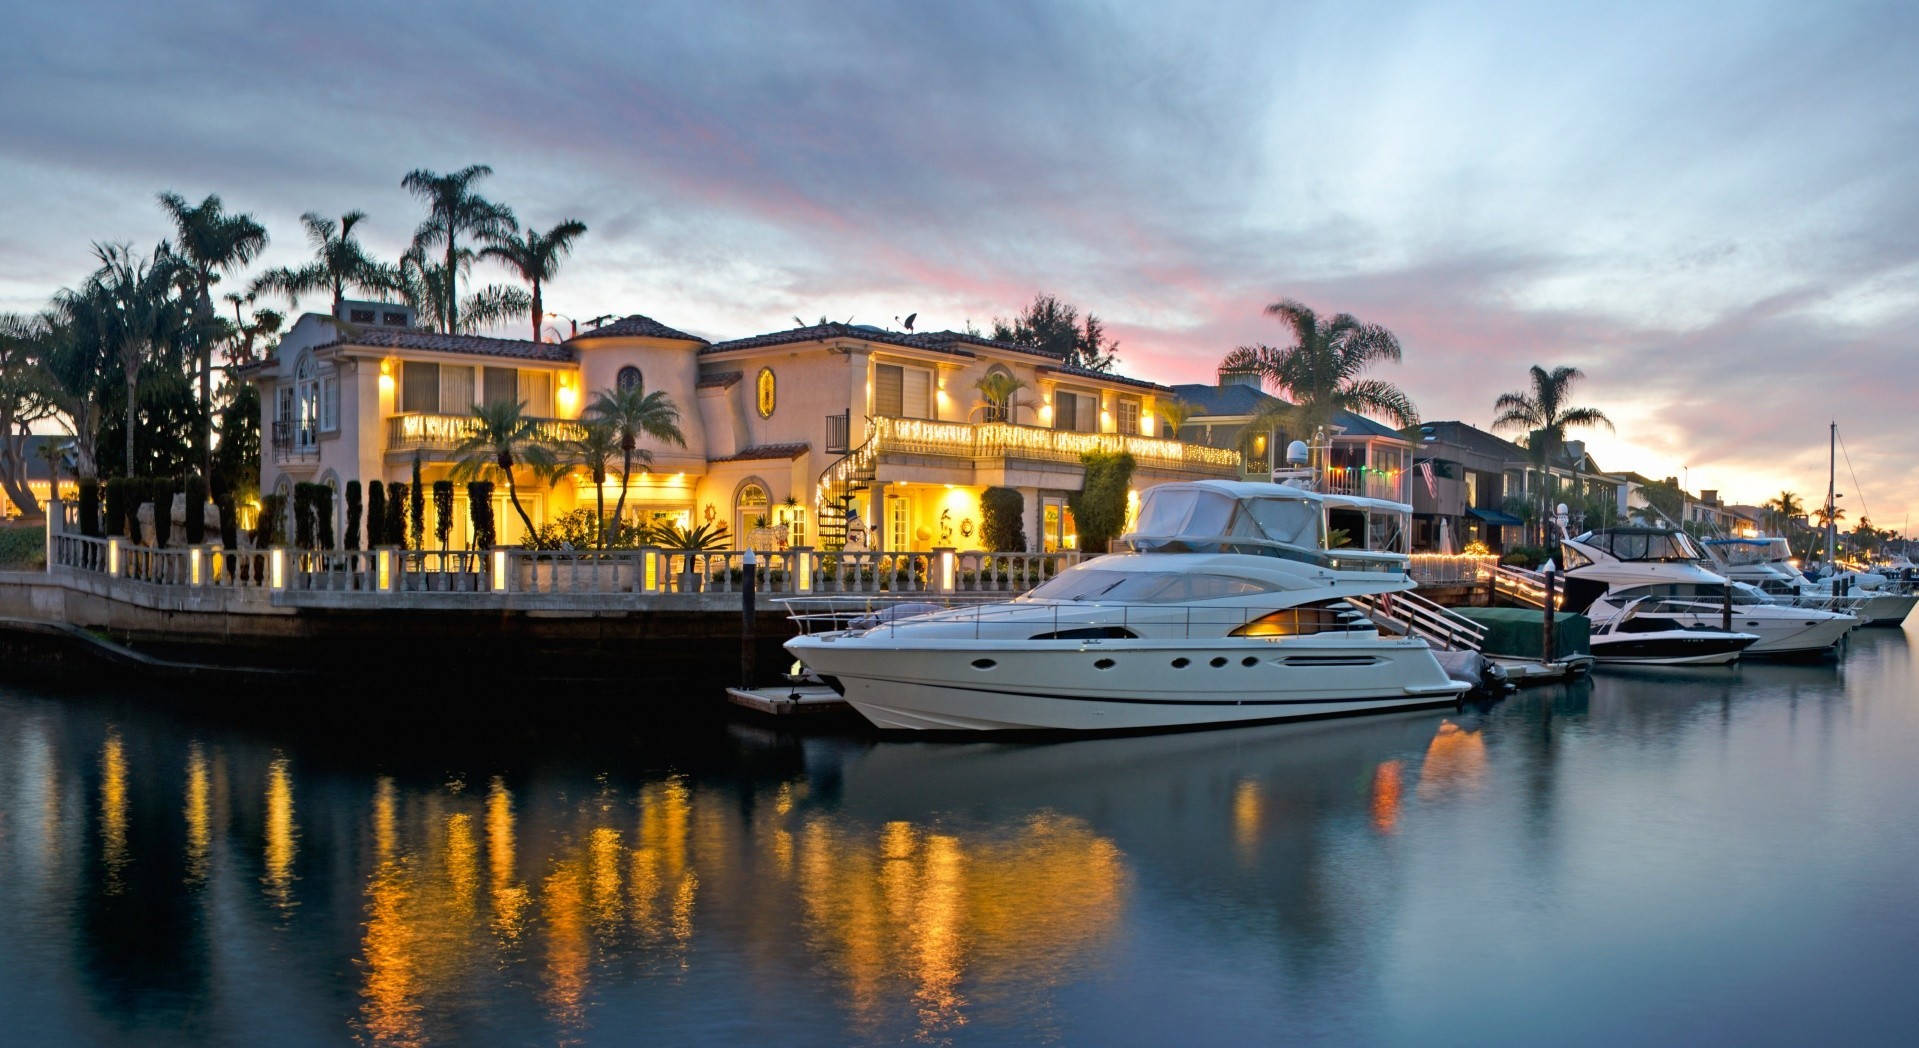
(1459, 489)
(819, 435)
(37, 447)
(1364, 457)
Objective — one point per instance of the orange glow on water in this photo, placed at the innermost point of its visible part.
(1386, 791)
(508, 896)
(1248, 809)
(1455, 761)
(113, 812)
(198, 815)
(282, 835)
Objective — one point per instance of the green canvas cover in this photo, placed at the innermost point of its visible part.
(1515, 631)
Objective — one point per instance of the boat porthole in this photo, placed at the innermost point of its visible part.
(1103, 664)
(1218, 661)
(984, 664)
(1181, 663)
(1249, 661)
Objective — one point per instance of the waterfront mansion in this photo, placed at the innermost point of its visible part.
(836, 433)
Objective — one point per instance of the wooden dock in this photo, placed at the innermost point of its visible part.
(788, 700)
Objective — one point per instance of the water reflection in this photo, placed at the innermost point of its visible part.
(198, 814)
(113, 813)
(281, 835)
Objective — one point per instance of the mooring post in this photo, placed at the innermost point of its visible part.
(1725, 609)
(1546, 634)
(746, 620)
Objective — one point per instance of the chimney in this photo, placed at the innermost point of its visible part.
(1575, 451)
(1709, 496)
(1238, 378)
(1673, 481)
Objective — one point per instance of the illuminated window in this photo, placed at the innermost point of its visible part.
(1129, 415)
(1299, 622)
(501, 385)
(419, 386)
(764, 392)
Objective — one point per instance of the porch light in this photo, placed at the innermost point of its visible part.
(386, 376)
(193, 566)
(384, 570)
(804, 566)
(499, 571)
(113, 558)
(277, 560)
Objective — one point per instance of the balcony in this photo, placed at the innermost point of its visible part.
(295, 442)
(420, 431)
(1006, 440)
(1366, 482)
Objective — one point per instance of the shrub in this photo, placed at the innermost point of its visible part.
(116, 505)
(442, 511)
(303, 515)
(269, 529)
(136, 494)
(196, 491)
(352, 514)
(479, 505)
(1099, 506)
(90, 507)
(574, 529)
(1526, 556)
(160, 491)
(1003, 520)
(323, 515)
(22, 549)
(229, 522)
(396, 514)
(375, 515)
(417, 506)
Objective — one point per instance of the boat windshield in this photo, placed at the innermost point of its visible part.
(1095, 584)
(1643, 544)
(1742, 552)
(1184, 512)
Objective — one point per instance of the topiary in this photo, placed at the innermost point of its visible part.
(396, 514)
(375, 515)
(323, 515)
(116, 506)
(196, 492)
(479, 503)
(417, 505)
(442, 511)
(1099, 506)
(1003, 520)
(90, 507)
(353, 514)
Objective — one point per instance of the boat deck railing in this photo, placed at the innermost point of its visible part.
(1068, 620)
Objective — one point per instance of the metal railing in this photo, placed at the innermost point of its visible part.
(1411, 614)
(996, 619)
(1009, 440)
(295, 442)
(1451, 569)
(839, 433)
(427, 431)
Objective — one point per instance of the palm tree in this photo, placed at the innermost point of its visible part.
(595, 447)
(453, 210)
(79, 358)
(339, 262)
(1785, 509)
(1173, 414)
(535, 256)
(998, 392)
(144, 314)
(24, 400)
(1321, 370)
(502, 438)
(1543, 411)
(634, 413)
(209, 242)
(245, 332)
(423, 284)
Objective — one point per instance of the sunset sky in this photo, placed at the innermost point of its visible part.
(1711, 208)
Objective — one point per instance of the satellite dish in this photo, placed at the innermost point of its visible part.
(1297, 453)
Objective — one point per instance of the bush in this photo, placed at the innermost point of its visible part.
(229, 522)
(352, 514)
(160, 491)
(479, 505)
(1099, 507)
(442, 511)
(136, 495)
(323, 515)
(1003, 520)
(303, 515)
(90, 507)
(1526, 556)
(22, 549)
(269, 530)
(116, 505)
(396, 514)
(417, 506)
(196, 492)
(375, 515)
(574, 529)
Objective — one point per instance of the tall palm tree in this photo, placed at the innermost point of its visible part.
(1544, 412)
(144, 314)
(209, 242)
(24, 400)
(1321, 371)
(634, 413)
(79, 358)
(1785, 509)
(424, 284)
(244, 332)
(339, 262)
(535, 257)
(595, 447)
(453, 211)
(503, 438)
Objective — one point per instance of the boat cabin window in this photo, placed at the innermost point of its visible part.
(1303, 621)
(1292, 521)
(1643, 544)
(1093, 584)
(1704, 592)
(1570, 558)
(1345, 528)
(1184, 512)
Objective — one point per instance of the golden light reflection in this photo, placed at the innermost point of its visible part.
(462, 865)
(1248, 809)
(563, 905)
(198, 815)
(1386, 789)
(282, 835)
(383, 814)
(113, 811)
(509, 897)
(605, 854)
(390, 1004)
(937, 928)
(1455, 761)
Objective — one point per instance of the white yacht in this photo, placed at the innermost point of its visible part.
(1660, 572)
(1766, 564)
(1228, 606)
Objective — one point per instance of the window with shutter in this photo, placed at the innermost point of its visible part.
(916, 393)
(456, 389)
(285, 411)
(419, 386)
(1065, 409)
(536, 389)
(501, 384)
(888, 389)
(330, 403)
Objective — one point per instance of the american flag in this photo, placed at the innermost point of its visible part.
(1426, 471)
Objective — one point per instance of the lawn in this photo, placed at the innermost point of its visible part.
(22, 548)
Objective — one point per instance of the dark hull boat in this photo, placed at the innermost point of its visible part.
(1652, 641)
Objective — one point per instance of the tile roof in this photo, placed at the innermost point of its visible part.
(1235, 399)
(636, 326)
(1104, 376)
(1469, 437)
(767, 451)
(954, 343)
(413, 338)
(719, 380)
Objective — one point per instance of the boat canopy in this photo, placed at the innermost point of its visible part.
(1741, 552)
(1270, 519)
(1642, 544)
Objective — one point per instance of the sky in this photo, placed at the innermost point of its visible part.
(1710, 208)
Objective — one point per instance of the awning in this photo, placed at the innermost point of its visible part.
(1493, 516)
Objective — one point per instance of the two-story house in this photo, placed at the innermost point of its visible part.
(824, 435)
(1459, 489)
(1362, 457)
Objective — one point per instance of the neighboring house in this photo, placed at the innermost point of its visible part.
(1462, 499)
(38, 483)
(1363, 457)
(1570, 477)
(832, 433)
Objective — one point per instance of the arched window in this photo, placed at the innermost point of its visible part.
(629, 378)
(749, 504)
(764, 393)
(1000, 410)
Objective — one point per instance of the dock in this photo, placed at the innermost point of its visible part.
(789, 700)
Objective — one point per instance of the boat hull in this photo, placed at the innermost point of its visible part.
(1671, 648)
(1123, 686)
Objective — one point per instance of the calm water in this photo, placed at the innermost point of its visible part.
(1717, 856)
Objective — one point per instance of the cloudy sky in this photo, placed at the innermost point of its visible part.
(1711, 208)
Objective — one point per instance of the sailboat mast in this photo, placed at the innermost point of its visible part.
(1832, 527)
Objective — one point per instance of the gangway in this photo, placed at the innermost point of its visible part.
(1409, 613)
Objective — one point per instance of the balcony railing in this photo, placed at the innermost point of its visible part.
(293, 442)
(913, 436)
(419, 431)
(1366, 483)
(839, 432)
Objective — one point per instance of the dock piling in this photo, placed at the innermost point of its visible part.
(747, 581)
